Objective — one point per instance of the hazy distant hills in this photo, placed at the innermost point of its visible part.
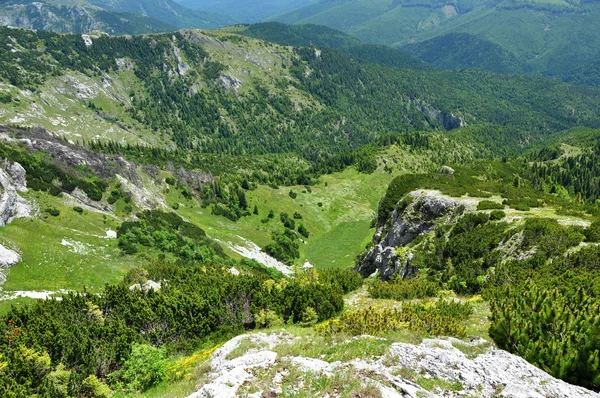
(246, 11)
(112, 16)
(549, 38)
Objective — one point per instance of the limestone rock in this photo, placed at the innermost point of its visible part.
(495, 373)
(424, 212)
(230, 82)
(8, 257)
(150, 284)
(12, 181)
(446, 170)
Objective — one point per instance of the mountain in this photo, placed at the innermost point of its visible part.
(166, 11)
(77, 19)
(247, 11)
(528, 36)
(206, 213)
(124, 17)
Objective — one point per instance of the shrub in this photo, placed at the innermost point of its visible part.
(146, 367)
(497, 215)
(592, 233)
(489, 205)
(309, 317)
(441, 318)
(92, 387)
(78, 209)
(302, 231)
(404, 289)
(556, 331)
(293, 194)
(170, 181)
(53, 212)
(268, 319)
(346, 279)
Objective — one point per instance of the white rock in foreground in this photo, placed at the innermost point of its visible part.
(495, 373)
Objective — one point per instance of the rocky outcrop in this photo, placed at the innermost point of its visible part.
(449, 121)
(8, 258)
(12, 181)
(494, 373)
(416, 214)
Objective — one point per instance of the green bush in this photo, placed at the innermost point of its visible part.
(145, 368)
(489, 205)
(404, 289)
(497, 215)
(592, 233)
(268, 319)
(293, 194)
(53, 212)
(439, 319)
(78, 209)
(302, 231)
(347, 280)
(556, 331)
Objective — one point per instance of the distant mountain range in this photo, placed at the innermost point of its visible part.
(111, 16)
(555, 39)
(247, 11)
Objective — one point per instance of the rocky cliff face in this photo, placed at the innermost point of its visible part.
(416, 214)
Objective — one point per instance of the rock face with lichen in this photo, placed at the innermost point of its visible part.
(418, 213)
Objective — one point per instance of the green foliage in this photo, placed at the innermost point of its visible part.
(592, 233)
(268, 319)
(303, 231)
(284, 246)
(557, 331)
(53, 212)
(347, 280)
(496, 215)
(549, 236)
(440, 318)
(91, 386)
(145, 368)
(489, 205)
(167, 233)
(404, 289)
(123, 335)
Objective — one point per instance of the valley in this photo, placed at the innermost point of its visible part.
(267, 211)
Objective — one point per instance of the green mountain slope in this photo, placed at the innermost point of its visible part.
(312, 102)
(464, 51)
(549, 39)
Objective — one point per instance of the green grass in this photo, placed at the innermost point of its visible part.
(339, 230)
(65, 252)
